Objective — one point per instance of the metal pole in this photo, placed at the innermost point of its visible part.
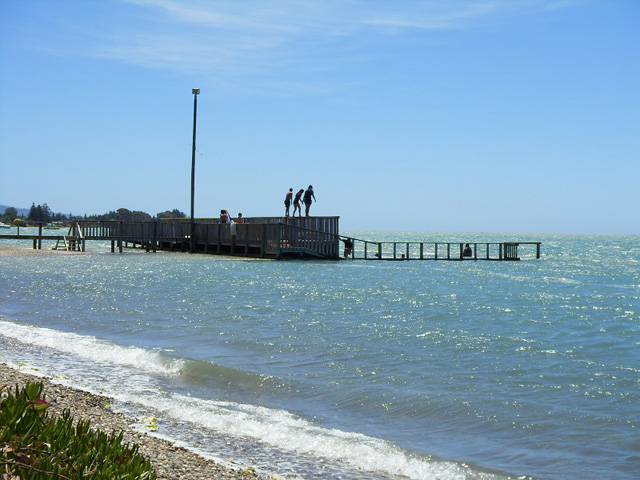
(192, 237)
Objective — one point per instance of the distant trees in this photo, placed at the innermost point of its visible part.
(10, 214)
(123, 214)
(43, 214)
(126, 215)
(175, 213)
(40, 213)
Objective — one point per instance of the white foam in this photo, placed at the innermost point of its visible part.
(568, 281)
(274, 428)
(91, 348)
(285, 431)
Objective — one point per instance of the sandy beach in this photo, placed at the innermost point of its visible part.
(169, 461)
(28, 251)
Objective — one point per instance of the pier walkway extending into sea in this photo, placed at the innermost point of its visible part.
(263, 237)
(374, 250)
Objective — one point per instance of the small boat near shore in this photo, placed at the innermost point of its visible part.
(4, 225)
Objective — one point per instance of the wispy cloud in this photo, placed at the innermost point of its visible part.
(235, 38)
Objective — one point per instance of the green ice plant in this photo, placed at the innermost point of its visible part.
(37, 446)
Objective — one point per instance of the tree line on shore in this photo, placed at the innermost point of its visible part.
(43, 214)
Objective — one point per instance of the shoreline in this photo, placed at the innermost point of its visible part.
(170, 461)
(28, 251)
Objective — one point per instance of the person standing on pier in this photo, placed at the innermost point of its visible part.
(296, 203)
(287, 202)
(308, 195)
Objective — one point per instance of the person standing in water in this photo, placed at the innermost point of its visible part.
(308, 195)
(296, 203)
(348, 247)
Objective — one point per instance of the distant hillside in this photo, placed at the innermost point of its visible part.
(21, 211)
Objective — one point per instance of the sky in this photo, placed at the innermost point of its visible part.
(467, 116)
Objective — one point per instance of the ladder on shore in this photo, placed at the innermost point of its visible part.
(72, 241)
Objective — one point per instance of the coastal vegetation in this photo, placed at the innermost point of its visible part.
(43, 214)
(36, 446)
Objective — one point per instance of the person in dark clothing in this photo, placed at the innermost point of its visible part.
(467, 251)
(348, 247)
(287, 202)
(296, 203)
(308, 195)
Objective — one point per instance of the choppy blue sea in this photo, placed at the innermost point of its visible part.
(353, 369)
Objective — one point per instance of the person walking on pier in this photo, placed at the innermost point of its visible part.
(224, 216)
(308, 195)
(296, 203)
(287, 202)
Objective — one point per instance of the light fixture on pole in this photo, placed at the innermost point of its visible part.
(192, 237)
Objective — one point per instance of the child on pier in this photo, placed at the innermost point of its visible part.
(287, 203)
(296, 203)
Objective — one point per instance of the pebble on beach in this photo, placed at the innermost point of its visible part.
(168, 460)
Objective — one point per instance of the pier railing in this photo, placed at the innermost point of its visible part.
(370, 250)
(257, 237)
(265, 239)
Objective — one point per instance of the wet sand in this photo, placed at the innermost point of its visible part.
(27, 250)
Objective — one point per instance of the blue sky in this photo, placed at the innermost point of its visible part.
(465, 116)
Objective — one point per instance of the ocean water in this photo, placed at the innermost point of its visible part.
(353, 369)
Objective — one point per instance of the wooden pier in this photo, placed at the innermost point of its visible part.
(368, 250)
(264, 237)
(259, 237)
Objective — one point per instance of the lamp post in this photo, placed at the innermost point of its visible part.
(192, 237)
